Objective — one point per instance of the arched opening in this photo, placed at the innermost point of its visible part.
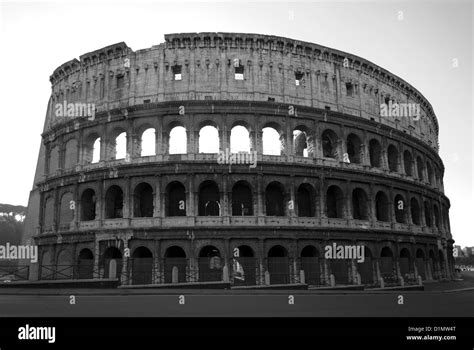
(64, 266)
(244, 266)
(304, 196)
(408, 163)
(375, 153)
(415, 211)
(420, 169)
(278, 265)
(271, 141)
(48, 213)
(178, 140)
(330, 143)
(359, 205)
(85, 264)
(406, 266)
(240, 139)
(392, 154)
(400, 209)
(429, 171)
(147, 143)
(420, 263)
(120, 147)
(88, 204)
(53, 160)
(142, 266)
(300, 143)
(366, 268)
(386, 264)
(175, 257)
(66, 209)
(209, 199)
(442, 270)
(112, 263)
(208, 139)
(274, 199)
(242, 201)
(436, 216)
(143, 200)
(95, 151)
(381, 206)
(310, 265)
(114, 202)
(175, 199)
(354, 149)
(70, 157)
(334, 202)
(46, 270)
(428, 221)
(210, 264)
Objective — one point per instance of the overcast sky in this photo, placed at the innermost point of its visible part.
(422, 47)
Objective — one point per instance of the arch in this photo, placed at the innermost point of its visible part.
(300, 143)
(112, 254)
(240, 139)
(48, 213)
(46, 268)
(429, 172)
(178, 140)
(119, 146)
(420, 263)
(85, 264)
(406, 266)
(386, 263)
(310, 264)
(408, 163)
(70, 155)
(392, 154)
(366, 268)
(360, 208)
(278, 265)
(244, 266)
(210, 264)
(64, 265)
(95, 150)
(420, 168)
(436, 216)
(209, 139)
(175, 256)
(242, 199)
(375, 153)
(53, 160)
(415, 211)
(142, 266)
(143, 200)
(305, 200)
(335, 202)
(354, 149)
(66, 208)
(274, 199)
(431, 264)
(271, 141)
(88, 205)
(175, 199)
(381, 207)
(148, 142)
(114, 202)
(209, 199)
(91, 148)
(330, 142)
(400, 209)
(427, 211)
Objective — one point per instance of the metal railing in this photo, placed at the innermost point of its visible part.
(14, 273)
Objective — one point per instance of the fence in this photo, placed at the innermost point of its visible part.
(10, 272)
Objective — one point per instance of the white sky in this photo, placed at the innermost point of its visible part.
(37, 37)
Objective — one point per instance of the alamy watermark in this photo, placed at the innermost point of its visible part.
(19, 252)
(227, 157)
(75, 110)
(336, 251)
(391, 109)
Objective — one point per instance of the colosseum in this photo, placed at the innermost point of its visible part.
(296, 156)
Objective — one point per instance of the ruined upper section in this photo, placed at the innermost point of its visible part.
(204, 66)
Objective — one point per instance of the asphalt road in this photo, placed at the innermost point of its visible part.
(415, 304)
